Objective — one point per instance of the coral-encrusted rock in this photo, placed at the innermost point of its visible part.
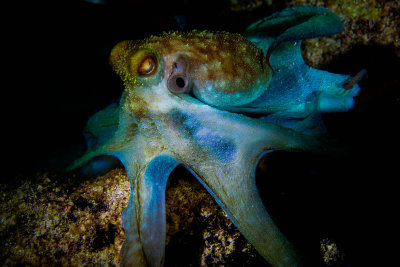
(198, 231)
(369, 22)
(48, 222)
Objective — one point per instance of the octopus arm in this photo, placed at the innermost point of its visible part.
(298, 93)
(232, 184)
(292, 24)
(101, 126)
(100, 129)
(144, 218)
(235, 190)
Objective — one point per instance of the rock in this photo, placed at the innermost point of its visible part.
(49, 221)
(68, 222)
(369, 22)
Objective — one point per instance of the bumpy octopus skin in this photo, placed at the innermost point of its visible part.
(220, 68)
(212, 103)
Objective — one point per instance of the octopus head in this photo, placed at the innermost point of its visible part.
(222, 70)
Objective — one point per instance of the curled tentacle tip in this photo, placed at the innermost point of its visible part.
(349, 84)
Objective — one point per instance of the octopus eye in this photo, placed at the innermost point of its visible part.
(148, 66)
(178, 81)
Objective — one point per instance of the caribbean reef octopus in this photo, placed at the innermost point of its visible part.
(215, 102)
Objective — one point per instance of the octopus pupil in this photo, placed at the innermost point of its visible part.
(180, 82)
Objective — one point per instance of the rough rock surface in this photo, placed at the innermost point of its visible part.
(62, 221)
(370, 22)
(46, 221)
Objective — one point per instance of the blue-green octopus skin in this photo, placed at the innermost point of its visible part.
(215, 103)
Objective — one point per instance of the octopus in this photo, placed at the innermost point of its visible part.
(215, 103)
